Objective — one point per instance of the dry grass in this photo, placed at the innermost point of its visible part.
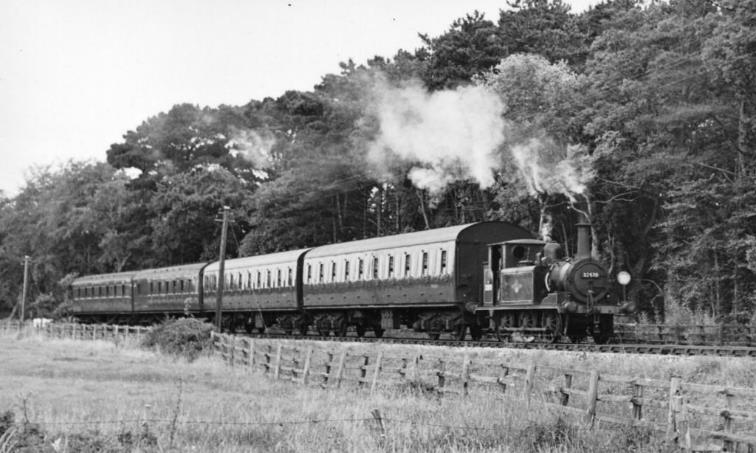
(101, 397)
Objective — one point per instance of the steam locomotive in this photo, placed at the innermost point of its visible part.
(486, 277)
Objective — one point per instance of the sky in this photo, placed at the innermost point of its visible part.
(75, 75)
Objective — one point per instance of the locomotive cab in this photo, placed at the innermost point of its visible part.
(512, 273)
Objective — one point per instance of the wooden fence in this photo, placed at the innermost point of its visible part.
(704, 334)
(74, 331)
(688, 414)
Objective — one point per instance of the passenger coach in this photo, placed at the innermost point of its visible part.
(427, 280)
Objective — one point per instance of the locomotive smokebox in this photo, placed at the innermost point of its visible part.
(584, 238)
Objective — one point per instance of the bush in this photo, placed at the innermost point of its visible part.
(185, 337)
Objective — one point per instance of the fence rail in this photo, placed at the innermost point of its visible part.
(686, 413)
(74, 331)
(701, 334)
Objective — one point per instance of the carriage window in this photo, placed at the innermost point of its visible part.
(259, 279)
(360, 268)
(278, 278)
(291, 277)
(443, 261)
(320, 273)
(249, 280)
(309, 273)
(333, 271)
(346, 270)
(391, 266)
(268, 282)
(407, 264)
(107, 291)
(376, 264)
(181, 282)
(425, 264)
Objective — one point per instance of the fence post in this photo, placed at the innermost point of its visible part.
(363, 370)
(416, 368)
(504, 373)
(592, 397)
(232, 352)
(637, 401)
(340, 368)
(251, 354)
(727, 418)
(403, 369)
(278, 362)
(441, 373)
(306, 371)
(465, 374)
(673, 408)
(377, 371)
(268, 355)
(565, 399)
(529, 382)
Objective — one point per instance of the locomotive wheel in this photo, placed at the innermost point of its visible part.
(460, 331)
(505, 321)
(553, 324)
(360, 330)
(476, 333)
(527, 320)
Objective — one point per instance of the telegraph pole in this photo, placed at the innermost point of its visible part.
(221, 276)
(26, 287)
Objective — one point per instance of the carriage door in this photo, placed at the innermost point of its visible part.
(491, 276)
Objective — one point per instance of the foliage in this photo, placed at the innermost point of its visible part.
(186, 338)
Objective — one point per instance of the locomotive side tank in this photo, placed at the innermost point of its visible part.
(425, 280)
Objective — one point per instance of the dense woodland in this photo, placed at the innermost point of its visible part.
(641, 116)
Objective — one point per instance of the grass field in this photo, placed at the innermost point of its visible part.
(94, 396)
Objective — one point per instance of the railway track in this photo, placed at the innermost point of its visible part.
(617, 348)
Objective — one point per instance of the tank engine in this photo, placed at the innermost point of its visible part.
(531, 289)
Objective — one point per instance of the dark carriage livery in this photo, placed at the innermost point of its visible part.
(108, 295)
(259, 291)
(427, 280)
(167, 291)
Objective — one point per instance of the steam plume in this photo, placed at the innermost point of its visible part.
(454, 134)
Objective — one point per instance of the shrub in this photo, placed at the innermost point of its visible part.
(185, 337)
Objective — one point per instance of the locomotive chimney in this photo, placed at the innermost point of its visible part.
(584, 238)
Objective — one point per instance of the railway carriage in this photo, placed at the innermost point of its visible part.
(168, 291)
(104, 297)
(260, 291)
(428, 280)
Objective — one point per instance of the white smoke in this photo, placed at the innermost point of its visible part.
(454, 134)
(255, 146)
(548, 168)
